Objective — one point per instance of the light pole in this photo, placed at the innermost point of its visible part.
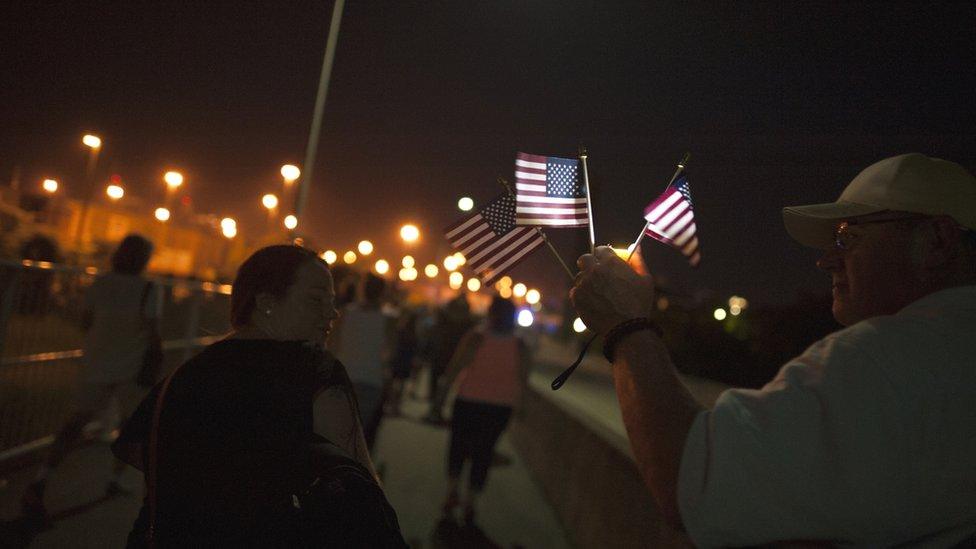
(94, 144)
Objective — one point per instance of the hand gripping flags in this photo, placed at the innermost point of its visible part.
(671, 219)
(490, 240)
(549, 192)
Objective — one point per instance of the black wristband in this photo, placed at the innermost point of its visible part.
(625, 328)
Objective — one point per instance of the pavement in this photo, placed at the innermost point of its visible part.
(410, 454)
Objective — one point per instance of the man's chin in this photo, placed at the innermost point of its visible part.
(839, 312)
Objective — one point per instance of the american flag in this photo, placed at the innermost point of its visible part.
(671, 219)
(490, 241)
(549, 191)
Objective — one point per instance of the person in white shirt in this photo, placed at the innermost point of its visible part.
(868, 438)
(363, 339)
(120, 316)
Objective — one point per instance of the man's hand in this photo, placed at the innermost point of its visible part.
(607, 291)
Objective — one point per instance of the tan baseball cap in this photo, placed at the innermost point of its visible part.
(909, 183)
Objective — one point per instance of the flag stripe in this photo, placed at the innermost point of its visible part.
(529, 164)
(513, 259)
(525, 197)
(483, 249)
(671, 220)
(552, 221)
(531, 176)
(504, 248)
(654, 214)
(463, 225)
(687, 234)
(536, 210)
(476, 231)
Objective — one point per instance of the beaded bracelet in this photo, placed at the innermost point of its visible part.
(625, 328)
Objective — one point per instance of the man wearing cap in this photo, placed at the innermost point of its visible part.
(869, 437)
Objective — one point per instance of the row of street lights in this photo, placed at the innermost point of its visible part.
(173, 180)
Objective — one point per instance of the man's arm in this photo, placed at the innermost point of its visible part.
(658, 410)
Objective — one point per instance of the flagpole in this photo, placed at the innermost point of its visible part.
(640, 237)
(545, 238)
(589, 203)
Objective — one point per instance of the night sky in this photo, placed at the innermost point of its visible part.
(779, 103)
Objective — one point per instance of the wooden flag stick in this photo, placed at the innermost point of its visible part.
(640, 237)
(545, 238)
(589, 203)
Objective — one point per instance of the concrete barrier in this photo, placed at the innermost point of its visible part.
(583, 462)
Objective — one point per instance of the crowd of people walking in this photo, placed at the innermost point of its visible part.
(248, 441)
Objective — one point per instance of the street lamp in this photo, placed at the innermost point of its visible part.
(290, 173)
(329, 257)
(162, 214)
(532, 297)
(474, 284)
(349, 257)
(50, 186)
(365, 247)
(409, 233)
(519, 290)
(173, 180)
(269, 201)
(382, 266)
(431, 270)
(465, 204)
(291, 222)
(114, 192)
(92, 141)
(408, 262)
(229, 227)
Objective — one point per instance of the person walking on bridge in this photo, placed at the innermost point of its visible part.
(491, 366)
(120, 319)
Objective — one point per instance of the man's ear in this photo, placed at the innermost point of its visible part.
(941, 240)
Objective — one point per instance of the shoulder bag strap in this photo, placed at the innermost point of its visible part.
(142, 301)
(151, 467)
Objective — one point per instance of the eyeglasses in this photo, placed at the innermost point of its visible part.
(844, 238)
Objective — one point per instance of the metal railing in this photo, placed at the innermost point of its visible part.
(41, 339)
